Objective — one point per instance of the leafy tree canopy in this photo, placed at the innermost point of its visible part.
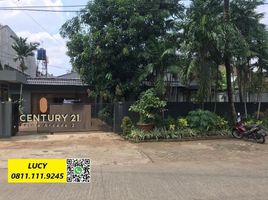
(109, 42)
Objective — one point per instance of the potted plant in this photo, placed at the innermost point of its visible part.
(147, 106)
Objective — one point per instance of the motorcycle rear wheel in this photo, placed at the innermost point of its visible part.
(260, 139)
(236, 134)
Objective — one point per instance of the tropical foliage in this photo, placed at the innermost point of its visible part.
(23, 50)
(113, 44)
(148, 105)
(122, 47)
(126, 125)
(204, 120)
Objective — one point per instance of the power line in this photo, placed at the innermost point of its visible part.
(66, 6)
(38, 10)
(43, 28)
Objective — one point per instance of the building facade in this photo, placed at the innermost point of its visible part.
(27, 87)
(7, 53)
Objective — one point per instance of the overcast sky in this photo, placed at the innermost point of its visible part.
(43, 27)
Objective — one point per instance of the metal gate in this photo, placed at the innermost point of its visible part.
(68, 117)
(102, 116)
(9, 114)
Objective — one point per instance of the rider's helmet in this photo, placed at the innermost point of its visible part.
(238, 120)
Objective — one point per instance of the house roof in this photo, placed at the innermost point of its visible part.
(54, 81)
(71, 75)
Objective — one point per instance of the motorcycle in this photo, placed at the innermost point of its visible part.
(255, 132)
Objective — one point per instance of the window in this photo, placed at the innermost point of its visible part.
(3, 92)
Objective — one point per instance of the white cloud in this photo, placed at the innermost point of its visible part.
(14, 3)
(39, 26)
(33, 20)
(42, 27)
(264, 9)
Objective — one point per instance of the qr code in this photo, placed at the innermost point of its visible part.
(78, 170)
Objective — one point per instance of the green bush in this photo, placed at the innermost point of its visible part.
(170, 123)
(126, 125)
(265, 122)
(187, 132)
(252, 121)
(137, 135)
(182, 123)
(156, 134)
(161, 133)
(202, 120)
(222, 124)
(223, 132)
(148, 106)
(164, 134)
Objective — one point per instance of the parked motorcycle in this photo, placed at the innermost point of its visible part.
(254, 132)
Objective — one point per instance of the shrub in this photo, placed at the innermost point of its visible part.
(161, 133)
(265, 123)
(164, 134)
(202, 120)
(252, 121)
(158, 133)
(170, 123)
(187, 132)
(182, 123)
(222, 123)
(224, 132)
(137, 135)
(126, 125)
(147, 106)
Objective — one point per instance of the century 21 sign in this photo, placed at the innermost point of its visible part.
(50, 118)
(43, 107)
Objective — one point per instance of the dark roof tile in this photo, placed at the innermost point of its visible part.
(54, 81)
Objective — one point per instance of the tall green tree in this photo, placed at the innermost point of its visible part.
(227, 59)
(214, 38)
(108, 42)
(23, 50)
(203, 36)
(247, 20)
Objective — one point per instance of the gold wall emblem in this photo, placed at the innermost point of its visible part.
(43, 105)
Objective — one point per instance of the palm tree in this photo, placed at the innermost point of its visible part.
(162, 58)
(227, 61)
(202, 46)
(23, 50)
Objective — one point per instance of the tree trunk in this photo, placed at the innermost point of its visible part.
(227, 62)
(260, 90)
(20, 101)
(229, 88)
(245, 98)
(216, 89)
(239, 80)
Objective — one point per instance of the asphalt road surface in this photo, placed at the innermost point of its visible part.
(200, 170)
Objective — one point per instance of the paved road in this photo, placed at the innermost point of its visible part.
(206, 170)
